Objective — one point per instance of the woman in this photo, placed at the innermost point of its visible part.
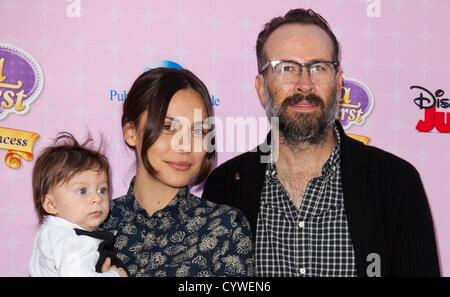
(161, 228)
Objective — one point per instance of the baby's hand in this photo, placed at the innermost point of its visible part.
(106, 265)
(120, 271)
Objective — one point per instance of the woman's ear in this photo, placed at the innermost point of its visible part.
(49, 205)
(129, 134)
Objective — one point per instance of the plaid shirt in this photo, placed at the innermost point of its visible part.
(312, 240)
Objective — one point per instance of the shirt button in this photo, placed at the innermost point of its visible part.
(302, 270)
(301, 224)
(142, 270)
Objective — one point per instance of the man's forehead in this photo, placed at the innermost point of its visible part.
(293, 40)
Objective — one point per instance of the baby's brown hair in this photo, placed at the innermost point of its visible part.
(59, 162)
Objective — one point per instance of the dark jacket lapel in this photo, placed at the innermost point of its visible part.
(354, 164)
(249, 181)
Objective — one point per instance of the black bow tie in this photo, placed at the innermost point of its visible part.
(105, 248)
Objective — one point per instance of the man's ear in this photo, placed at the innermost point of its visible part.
(49, 204)
(260, 89)
(130, 134)
(340, 82)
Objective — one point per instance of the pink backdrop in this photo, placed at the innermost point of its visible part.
(108, 46)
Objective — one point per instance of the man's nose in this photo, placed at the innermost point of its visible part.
(304, 84)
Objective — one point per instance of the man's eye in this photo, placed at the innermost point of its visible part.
(318, 68)
(288, 68)
(82, 191)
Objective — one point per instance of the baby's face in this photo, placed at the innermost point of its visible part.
(83, 200)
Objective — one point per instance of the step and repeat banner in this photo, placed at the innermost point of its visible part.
(66, 65)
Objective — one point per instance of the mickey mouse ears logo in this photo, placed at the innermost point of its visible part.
(21, 80)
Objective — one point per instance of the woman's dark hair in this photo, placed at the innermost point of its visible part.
(294, 16)
(58, 163)
(152, 92)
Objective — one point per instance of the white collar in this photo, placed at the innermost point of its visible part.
(57, 221)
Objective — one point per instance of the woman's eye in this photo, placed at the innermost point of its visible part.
(168, 127)
(198, 132)
(82, 191)
(171, 126)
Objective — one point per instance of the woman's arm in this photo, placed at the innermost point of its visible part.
(234, 255)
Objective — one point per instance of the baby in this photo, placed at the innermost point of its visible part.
(70, 191)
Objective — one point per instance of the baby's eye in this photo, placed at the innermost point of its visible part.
(82, 191)
(103, 191)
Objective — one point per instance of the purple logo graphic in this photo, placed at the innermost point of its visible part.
(21, 80)
(355, 104)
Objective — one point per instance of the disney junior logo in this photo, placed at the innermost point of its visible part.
(21, 80)
(435, 110)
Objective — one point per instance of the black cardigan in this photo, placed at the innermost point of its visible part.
(384, 199)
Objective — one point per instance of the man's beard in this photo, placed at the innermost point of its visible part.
(304, 127)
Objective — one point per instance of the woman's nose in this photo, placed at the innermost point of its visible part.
(183, 145)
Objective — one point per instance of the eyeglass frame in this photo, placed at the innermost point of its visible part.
(274, 63)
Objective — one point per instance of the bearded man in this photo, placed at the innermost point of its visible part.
(324, 204)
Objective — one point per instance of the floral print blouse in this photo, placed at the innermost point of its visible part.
(189, 237)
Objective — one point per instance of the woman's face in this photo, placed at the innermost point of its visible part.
(178, 153)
